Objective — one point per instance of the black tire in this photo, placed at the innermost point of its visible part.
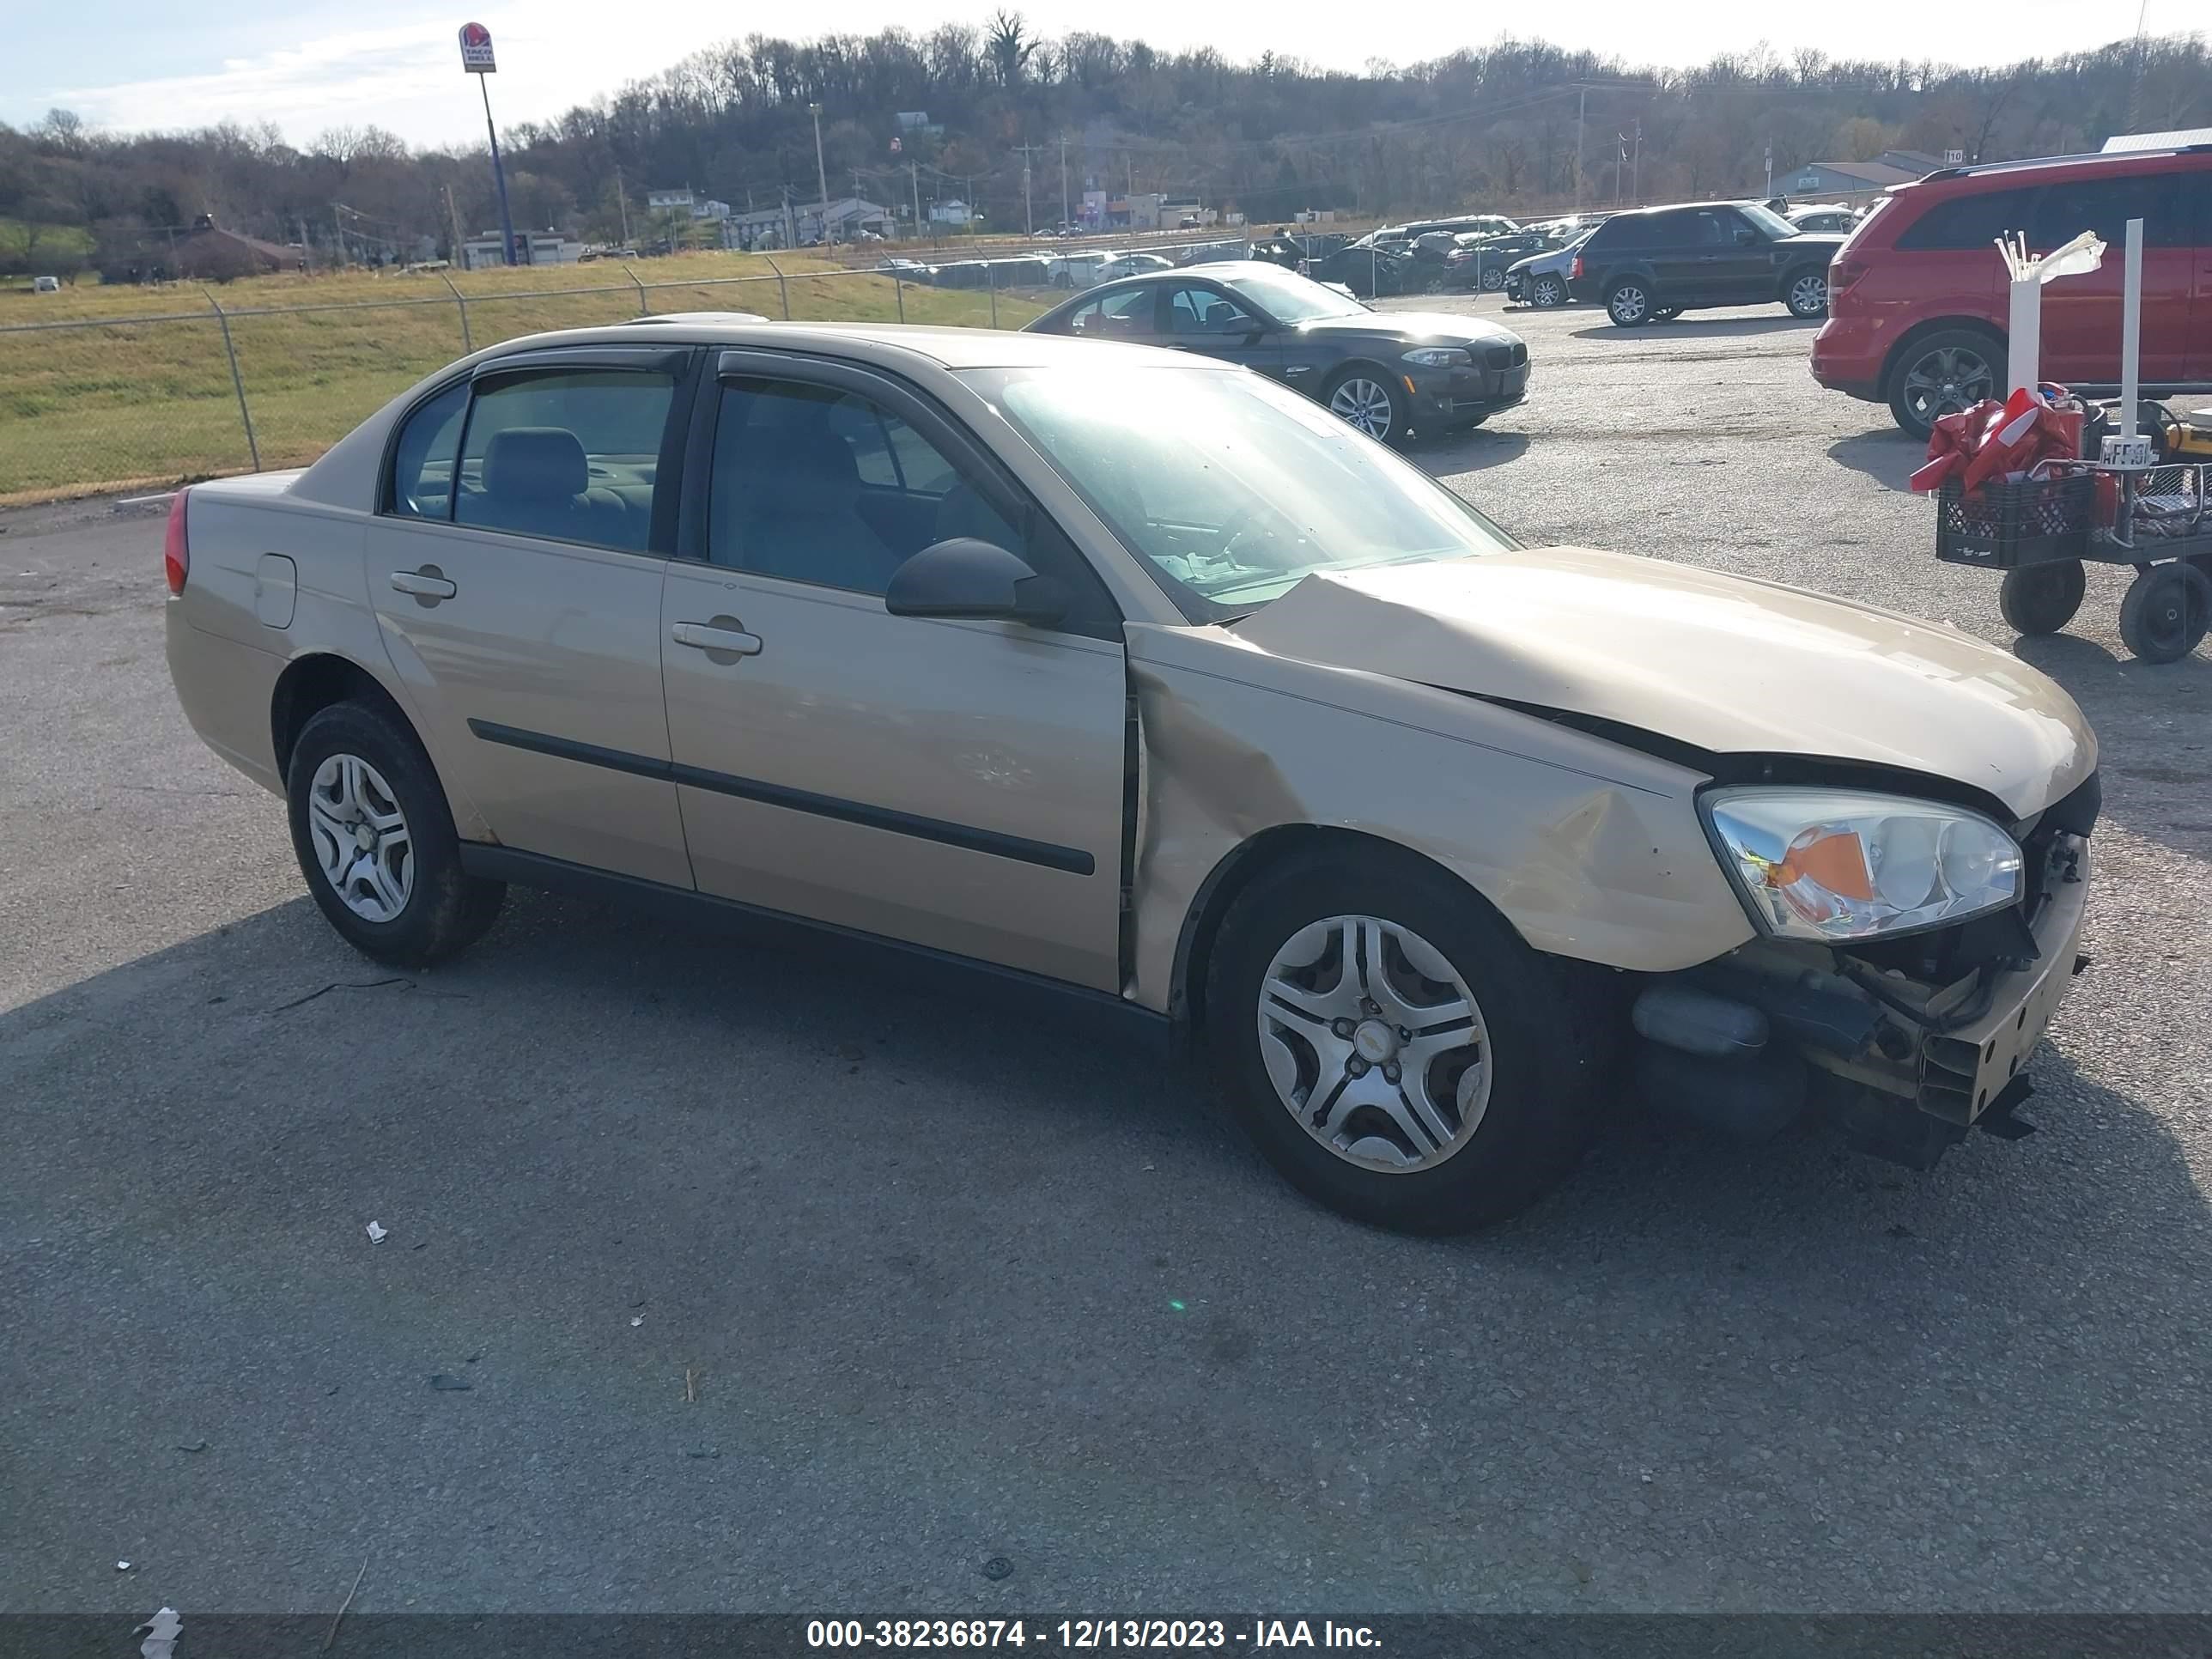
(1543, 1062)
(446, 910)
(1666, 313)
(1382, 382)
(2042, 598)
(1805, 292)
(1975, 361)
(1547, 292)
(1492, 279)
(1433, 283)
(1629, 303)
(2163, 614)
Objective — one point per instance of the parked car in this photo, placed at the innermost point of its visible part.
(1388, 373)
(45, 285)
(1540, 280)
(1021, 272)
(1920, 307)
(1481, 262)
(1126, 676)
(1656, 263)
(1133, 264)
(1365, 271)
(1080, 269)
(1815, 218)
(1481, 224)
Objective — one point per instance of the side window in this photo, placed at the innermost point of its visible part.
(1709, 228)
(571, 455)
(1126, 315)
(2105, 205)
(1631, 231)
(793, 493)
(1969, 222)
(812, 485)
(422, 459)
(1202, 311)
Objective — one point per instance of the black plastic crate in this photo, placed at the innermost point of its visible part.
(2002, 525)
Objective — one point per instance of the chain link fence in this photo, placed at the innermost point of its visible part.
(180, 384)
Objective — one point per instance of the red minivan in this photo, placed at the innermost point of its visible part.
(1917, 297)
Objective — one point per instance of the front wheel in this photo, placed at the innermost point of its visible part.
(2163, 614)
(2042, 598)
(1547, 292)
(375, 840)
(1368, 401)
(1629, 304)
(1392, 1047)
(1806, 295)
(1492, 280)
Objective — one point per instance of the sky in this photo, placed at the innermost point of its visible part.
(310, 65)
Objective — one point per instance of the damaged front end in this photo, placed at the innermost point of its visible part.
(1905, 1042)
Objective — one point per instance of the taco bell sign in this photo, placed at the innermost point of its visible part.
(476, 50)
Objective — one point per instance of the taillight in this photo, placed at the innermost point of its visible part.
(1843, 272)
(176, 546)
(1575, 270)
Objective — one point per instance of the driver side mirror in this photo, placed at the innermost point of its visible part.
(977, 580)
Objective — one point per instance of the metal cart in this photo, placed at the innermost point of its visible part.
(2038, 530)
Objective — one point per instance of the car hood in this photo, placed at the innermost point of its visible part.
(1410, 327)
(1724, 664)
(1829, 240)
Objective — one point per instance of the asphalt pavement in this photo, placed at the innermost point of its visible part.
(775, 1282)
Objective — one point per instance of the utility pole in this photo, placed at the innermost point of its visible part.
(914, 182)
(821, 176)
(338, 227)
(622, 200)
(1769, 169)
(1028, 216)
(1581, 107)
(1636, 166)
(1065, 217)
(453, 222)
(790, 219)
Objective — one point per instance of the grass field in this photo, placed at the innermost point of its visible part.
(145, 398)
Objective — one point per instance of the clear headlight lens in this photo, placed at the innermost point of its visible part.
(1438, 357)
(1835, 866)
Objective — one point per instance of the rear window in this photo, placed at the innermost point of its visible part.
(1630, 230)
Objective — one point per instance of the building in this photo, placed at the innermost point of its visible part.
(210, 253)
(1828, 180)
(771, 227)
(2182, 138)
(954, 212)
(710, 208)
(539, 247)
(917, 120)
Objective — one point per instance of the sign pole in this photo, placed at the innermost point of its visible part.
(476, 59)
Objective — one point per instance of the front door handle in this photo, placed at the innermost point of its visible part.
(429, 584)
(722, 636)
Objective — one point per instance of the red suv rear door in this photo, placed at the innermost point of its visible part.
(2081, 314)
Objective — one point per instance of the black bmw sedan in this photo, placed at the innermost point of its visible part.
(1389, 374)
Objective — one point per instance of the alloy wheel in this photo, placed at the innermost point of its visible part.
(1374, 1043)
(1947, 382)
(1364, 404)
(1629, 305)
(1809, 295)
(1545, 293)
(361, 838)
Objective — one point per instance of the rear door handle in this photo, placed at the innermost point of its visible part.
(429, 584)
(712, 636)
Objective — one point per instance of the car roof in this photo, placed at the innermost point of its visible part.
(888, 344)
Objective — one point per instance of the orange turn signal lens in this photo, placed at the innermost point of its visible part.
(1833, 859)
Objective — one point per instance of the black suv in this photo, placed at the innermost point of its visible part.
(1656, 263)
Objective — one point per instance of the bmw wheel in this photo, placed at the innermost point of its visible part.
(1366, 400)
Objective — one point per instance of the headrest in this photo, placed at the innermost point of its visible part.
(536, 463)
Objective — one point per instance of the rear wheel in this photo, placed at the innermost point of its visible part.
(1392, 1047)
(2042, 598)
(1364, 398)
(2163, 614)
(1806, 293)
(1493, 278)
(1629, 304)
(1547, 291)
(1666, 313)
(375, 840)
(1942, 374)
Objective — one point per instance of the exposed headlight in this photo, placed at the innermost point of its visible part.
(1439, 357)
(1834, 866)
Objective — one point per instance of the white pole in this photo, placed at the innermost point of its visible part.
(2131, 329)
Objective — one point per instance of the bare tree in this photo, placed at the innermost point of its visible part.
(1006, 42)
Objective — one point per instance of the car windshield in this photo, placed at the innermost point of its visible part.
(1290, 298)
(1768, 220)
(1231, 488)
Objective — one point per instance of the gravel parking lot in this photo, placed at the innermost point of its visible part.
(955, 1279)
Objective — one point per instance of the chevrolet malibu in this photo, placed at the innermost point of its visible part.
(1138, 676)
